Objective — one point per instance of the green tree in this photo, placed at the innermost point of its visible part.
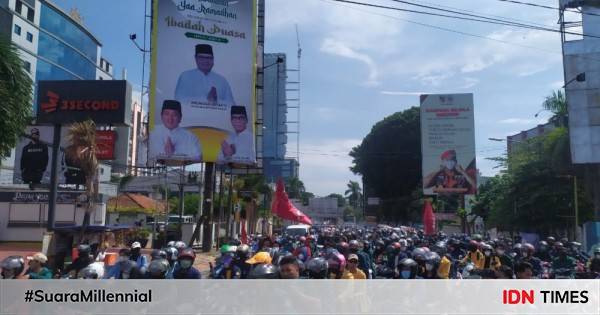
(353, 193)
(191, 202)
(557, 104)
(305, 197)
(535, 192)
(294, 188)
(389, 160)
(16, 96)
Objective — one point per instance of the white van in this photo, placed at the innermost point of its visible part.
(297, 230)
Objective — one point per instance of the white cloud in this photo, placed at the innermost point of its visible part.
(402, 93)
(339, 48)
(521, 121)
(557, 85)
(324, 165)
(469, 83)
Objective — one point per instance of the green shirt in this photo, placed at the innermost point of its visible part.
(44, 273)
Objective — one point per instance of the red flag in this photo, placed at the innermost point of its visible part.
(244, 233)
(428, 218)
(283, 208)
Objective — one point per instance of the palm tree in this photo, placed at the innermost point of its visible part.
(557, 104)
(353, 193)
(295, 188)
(16, 95)
(82, 150)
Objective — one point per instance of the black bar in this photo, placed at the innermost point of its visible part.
(53, 178)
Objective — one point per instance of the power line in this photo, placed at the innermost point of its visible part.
(505, 23)
(546, 7)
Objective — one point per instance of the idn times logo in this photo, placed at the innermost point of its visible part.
(513, 297)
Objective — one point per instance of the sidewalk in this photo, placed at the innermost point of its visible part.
(28, 249)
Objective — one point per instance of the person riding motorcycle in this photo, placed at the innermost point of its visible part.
(336, 263)
(408, 269)
(543, 252)
(491, 260)
(317, 268)
(136, 255)
(527, 251)
(158, 254)
(364, 262)
(225, 268)
(505, 259)
(241, 255)
(93, 271)
(124, 268)
(302, 250)
(84, 259)
(563, 264)
(263, 271)
(419, 256)
(185, 268)
(454, 250)
(432, 264)
(12, 267)
(158, 269)
(594, 262)
(445, 265)
(474, 255)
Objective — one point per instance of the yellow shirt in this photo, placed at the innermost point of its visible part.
(444, 268)
(357, 275)
(477, 258)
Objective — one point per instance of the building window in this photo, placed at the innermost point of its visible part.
(30, 14)
(29, 37)
(27, 66)
(17, 30)
(19, 7)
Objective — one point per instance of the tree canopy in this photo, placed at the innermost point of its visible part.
(389, 159)
(16, 96)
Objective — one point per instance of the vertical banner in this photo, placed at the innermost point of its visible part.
(448, 144)
(105, 144)
(202, 104)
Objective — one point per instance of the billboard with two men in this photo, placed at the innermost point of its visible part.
(203, 81)
(448, 144)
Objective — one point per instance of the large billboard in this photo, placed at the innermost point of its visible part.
(202, 86)
(105, 102)
(33, 156)
(448, 144)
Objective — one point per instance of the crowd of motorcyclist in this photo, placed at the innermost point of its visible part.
(336, 253)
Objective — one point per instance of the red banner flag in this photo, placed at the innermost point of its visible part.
(244, 233)
(428, 218)
(283, 208)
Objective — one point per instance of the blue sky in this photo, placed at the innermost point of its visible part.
(360, 65)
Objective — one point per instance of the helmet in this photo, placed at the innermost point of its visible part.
(354, 244)
(243, 249)
(575, 245)
(528, 247)
(564, 240)
(187, 253)
(84, 250)
(180, 245)
(343, 246)
(550, 240)
(408, 264)
(171, 253)
(396, 245)
(317, 268)
(558, 245)
(263, 271)
(517, 246)
(440, 248)
(171, 244)
(92, 271)
(486, 247)
(158, 253)
(543, 244)
(597, 251)
(432, 257)
(477, 237)
(336, 261)
(226, 249)
(473, 245)
(418, 253)
(158, 268)
(302, 239)
(12, 266)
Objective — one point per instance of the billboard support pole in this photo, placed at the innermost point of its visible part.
(208, 207)
(53, 178)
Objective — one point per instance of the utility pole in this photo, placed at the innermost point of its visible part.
(220, 208)
(229, 205)
(208, 206)
(53, 178)
(181, 201)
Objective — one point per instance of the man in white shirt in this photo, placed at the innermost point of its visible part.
(169, 141)
(201, 84)
(238, 147)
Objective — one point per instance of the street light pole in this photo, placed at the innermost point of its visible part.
(576, 204)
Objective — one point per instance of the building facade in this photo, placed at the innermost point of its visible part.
(514, 141)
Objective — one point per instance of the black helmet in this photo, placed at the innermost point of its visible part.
(158, 269)
(408, 268)
(432, 257)
(84, 250)
(263, 271)
(317, 268)
(440, 248)
(418, 253)
(550, 240)
(158, 254)
(12, 266)
(92, 271)
(127, 268)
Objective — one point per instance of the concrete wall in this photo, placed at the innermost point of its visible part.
(26, 221)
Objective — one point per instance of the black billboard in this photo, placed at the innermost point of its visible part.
(106, 102)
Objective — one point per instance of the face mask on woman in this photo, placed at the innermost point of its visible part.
(185, 263)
